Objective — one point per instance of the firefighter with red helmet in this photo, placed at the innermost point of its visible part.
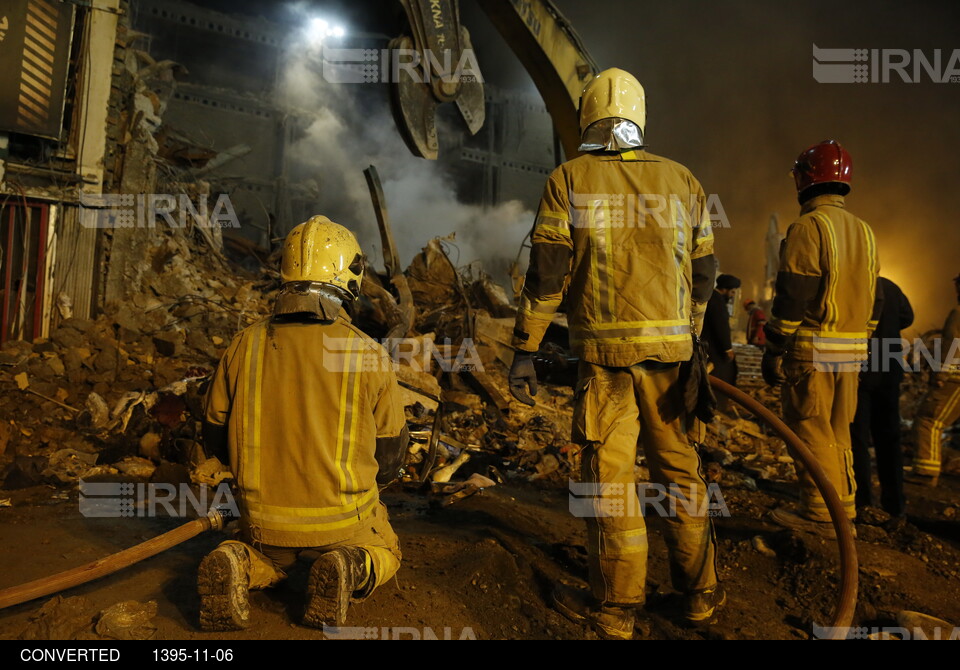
(827, 303)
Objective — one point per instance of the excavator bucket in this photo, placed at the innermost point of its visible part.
(428, 71)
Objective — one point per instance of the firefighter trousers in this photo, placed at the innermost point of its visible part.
(617, 411)
(819, 404)
(938, 411)
(268, 565)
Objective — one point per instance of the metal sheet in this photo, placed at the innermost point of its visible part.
(35, 38)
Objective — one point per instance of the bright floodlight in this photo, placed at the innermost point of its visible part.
(319, 29)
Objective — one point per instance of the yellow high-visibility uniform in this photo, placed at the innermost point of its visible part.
(826, 306)
(627, 239)
(304, 404)
(941, 407)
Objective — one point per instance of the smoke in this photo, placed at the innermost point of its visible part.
(350, 128)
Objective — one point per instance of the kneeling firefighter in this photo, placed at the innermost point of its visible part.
(306, 410)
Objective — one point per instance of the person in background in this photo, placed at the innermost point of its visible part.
(717, 336)
(878, 407)
(756, 320)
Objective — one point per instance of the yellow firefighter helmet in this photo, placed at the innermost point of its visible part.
(613, 93)
(325, 252)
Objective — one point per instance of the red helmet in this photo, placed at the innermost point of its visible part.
(822, 163)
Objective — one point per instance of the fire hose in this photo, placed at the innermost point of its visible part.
(107, 566)
(847, 601)
(842, 614)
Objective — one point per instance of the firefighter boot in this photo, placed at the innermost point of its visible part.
(578, 605)
(223, 585)
(700, 606)
(334, 578)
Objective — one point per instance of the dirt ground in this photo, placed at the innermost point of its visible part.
(484, 568)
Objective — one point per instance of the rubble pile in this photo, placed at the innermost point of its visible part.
(458, 349)
(122, 393)
(740, 451)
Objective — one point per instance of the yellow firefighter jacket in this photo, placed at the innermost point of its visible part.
(628, 238)
(304, 404)
(950, 345)
(827, 300)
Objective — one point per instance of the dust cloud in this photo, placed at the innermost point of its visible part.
(351, 128)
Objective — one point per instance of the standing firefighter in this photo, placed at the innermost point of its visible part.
(941, 406)
(306, 407)
(827, 303)
(626, 236)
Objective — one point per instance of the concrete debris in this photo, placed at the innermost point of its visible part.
(136, 467)
(456, 491)
(211, 472)
(61, 619)
(443, 475)
(128, 620)
(67, 465)
(99, 472)
(762, 547)
(150, 445)
(130, 383)
(95, 416)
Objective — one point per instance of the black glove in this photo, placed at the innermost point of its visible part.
(771, 367)
(390, 454)
(694, 380)
(523, 377)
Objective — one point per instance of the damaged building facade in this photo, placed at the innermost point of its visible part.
(121, 125)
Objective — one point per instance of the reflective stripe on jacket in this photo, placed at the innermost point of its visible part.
(950, 347)
(827, 302)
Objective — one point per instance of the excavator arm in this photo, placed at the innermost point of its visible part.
(554, 56)
(541, 37)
